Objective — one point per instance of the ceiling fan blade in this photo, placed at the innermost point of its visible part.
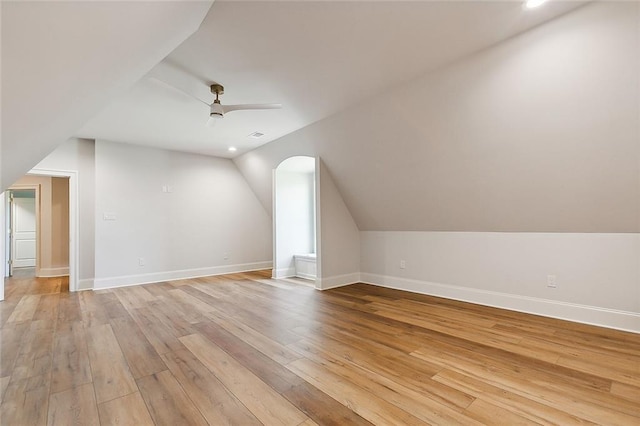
(174, 89)
(177, 78)
(230, 108)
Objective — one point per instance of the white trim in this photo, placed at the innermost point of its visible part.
(318, 197)
(283, 273)
(337, 281)
(73, 220)
(85, 284)
(3, 223)
(603, 317)
(130, 280)
(54, 272)
(305, 275)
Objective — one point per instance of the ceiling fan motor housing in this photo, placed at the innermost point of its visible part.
(216, 110)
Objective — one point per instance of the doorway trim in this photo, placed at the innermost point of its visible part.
(73, 219)
(290, 271)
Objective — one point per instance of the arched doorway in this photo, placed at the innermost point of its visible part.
(294, 219)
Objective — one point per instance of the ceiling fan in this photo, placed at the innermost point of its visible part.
(176, 78)
(218, 111)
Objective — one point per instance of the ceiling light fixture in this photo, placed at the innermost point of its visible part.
(216, 108)
(232, 149)
(531, 4)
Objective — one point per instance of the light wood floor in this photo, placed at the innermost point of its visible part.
(244, 349)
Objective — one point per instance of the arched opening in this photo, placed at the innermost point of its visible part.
(294, 219)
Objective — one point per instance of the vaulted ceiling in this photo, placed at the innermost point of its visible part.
(316, 58)
(62, 62)
(80, 68)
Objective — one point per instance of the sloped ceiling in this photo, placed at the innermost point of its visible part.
(539, 133)
(63, 61)
(315, 57)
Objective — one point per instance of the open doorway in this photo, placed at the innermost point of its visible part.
(21, 238)
(38, 223)
(294, 219)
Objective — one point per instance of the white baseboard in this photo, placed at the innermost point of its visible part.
(54, 272)
(305, 276)
(156, 277)
(283, 273)
(86, 284)
(337, 281)
(603, 317)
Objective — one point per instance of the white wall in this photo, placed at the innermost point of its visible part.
(294, 218)
(78, 155)
(339, 236)
(536, 134)
(208, 222)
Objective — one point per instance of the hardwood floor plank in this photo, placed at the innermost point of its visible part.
(26, 401)
(487, 413)
(75, 406)
(620, 371)
(111, 375)
(628, 392)
(532, 383)
(128, 410)
(94, 313)
(321, 407)
(47, 309)
(416, 384)
(25, 309)
(11, 337)
(369, 406)
(4, 383)
(426, 407)
(266, 404)
(34, 356)
(70, 366)
(69, 308)
(533, 410)
(159, 336)
(269, 371)
(216, 403)
(268, 347)
(142, 358)
(167, 402)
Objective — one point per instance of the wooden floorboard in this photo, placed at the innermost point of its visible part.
(243, 349)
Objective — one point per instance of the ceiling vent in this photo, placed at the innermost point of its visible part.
(256, 135)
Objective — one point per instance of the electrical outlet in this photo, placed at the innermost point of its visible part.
(552, 281)
(141, 261)
(226, 256)
(403, 264)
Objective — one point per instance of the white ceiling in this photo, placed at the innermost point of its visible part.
(316, 58)
(63, 61)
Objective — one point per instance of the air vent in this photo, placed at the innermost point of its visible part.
(256, 135)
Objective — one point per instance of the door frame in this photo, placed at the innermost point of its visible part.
(73, 219)
(9, 254)
(73, 223)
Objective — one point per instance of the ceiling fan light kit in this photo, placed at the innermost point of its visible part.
(217, 112)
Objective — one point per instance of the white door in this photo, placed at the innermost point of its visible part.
(23, 232)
